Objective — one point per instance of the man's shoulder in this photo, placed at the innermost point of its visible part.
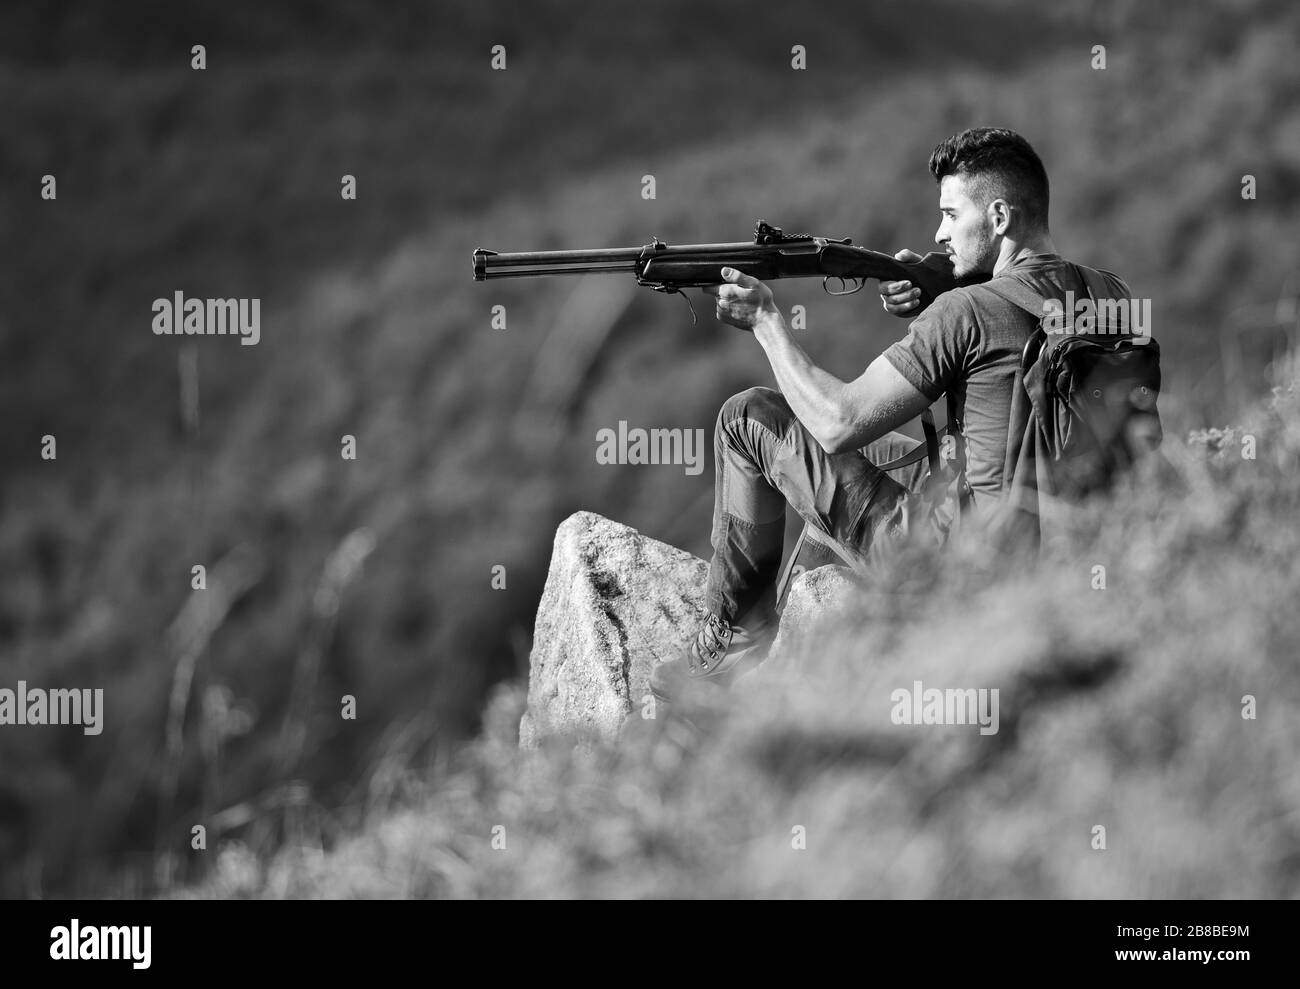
(981, 299)
(1048, 279)
(953, 305)
(986, 301)
(1118, 288)
(1055, 276)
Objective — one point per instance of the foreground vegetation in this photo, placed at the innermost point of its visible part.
(1163, 708)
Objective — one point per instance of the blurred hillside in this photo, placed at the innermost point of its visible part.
(473, 443)
(1163, 708)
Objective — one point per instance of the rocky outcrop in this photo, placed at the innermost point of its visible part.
(617, 602)
(813, 595)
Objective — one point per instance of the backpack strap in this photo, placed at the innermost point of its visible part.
(1098, 290)
(1019, 467)
(964, 491)
(931, 441)
(1092, 281)
(928, 448)
(1018, 294)
(1023, 297)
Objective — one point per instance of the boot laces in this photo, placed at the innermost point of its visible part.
(713, 638)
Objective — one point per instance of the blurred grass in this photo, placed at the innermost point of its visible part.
(225, 183)
(1120, 707)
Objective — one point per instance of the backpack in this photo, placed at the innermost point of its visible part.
(1083, 407)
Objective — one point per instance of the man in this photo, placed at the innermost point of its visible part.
(814, 443)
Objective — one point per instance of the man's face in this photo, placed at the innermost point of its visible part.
(966, 231)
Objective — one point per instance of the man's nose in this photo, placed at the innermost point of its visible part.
(941, 238)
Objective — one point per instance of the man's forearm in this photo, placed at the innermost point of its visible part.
(816, 397)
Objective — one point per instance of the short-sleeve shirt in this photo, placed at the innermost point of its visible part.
(970, 340)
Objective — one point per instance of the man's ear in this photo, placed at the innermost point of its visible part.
(1000, 215)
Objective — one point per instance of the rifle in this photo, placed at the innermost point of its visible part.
(773, 254)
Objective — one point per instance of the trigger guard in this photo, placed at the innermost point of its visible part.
(858, 285)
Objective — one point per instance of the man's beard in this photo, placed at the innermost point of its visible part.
(980, 268)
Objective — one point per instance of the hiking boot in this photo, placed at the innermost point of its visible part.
(719, 648)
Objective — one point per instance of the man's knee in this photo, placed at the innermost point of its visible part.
(763, 405)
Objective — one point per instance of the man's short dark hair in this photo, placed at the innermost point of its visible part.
(1002, 165)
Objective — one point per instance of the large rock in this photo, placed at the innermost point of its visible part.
(813, 595)
(616, 603)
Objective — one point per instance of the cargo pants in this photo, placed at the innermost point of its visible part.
(765, 459)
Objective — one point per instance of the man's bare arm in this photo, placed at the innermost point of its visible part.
(840, 415)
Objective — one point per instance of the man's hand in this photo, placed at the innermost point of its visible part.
(901, 298)
(743, 300)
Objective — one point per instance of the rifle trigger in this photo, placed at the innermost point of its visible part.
(694, 320)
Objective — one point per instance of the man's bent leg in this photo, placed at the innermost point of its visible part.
(765, 459)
